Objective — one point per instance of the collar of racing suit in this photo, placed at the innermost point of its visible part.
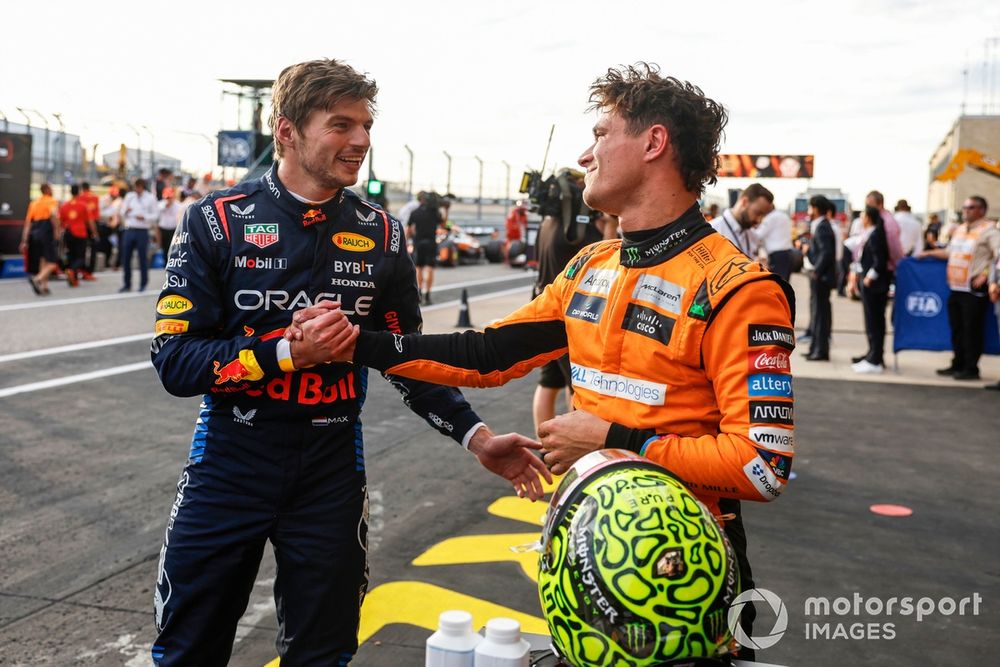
(307, 213)
(658, 245)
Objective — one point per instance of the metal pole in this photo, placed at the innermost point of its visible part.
(62, 152)
(93, 163)
(152, 150)
(138, 148)
(448, 186)
(211, 147)
(6, 125)
(506, 194)
(409, 181)
(48, 168)
(31, 168)
(479, 201)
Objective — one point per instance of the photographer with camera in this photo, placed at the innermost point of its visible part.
(567, 226)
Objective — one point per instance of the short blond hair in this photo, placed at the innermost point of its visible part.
(315, 85)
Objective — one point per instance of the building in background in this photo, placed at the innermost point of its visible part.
(966, 163)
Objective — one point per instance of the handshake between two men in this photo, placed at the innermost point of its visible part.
(322, 333)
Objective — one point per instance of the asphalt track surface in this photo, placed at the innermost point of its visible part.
(88, 470)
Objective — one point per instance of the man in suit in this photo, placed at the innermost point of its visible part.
(822, 256)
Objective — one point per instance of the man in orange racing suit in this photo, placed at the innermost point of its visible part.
(679, 345)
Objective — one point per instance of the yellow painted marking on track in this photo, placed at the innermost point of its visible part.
(519, 509)
(418, 603)
(483, 549)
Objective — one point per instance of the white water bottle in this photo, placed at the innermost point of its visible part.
(454, 642)
(503, 646)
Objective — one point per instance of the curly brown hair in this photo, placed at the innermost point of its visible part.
(316, 85)
(694, 122)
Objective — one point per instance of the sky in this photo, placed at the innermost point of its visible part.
(870, 88)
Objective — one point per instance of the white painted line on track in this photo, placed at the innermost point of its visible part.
(45, 303)
(75, 347)
(485, 281)
(74, 379)
(478, 297)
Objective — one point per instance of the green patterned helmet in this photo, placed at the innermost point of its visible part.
(634, 571)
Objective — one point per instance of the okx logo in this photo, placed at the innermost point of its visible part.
(758, 642)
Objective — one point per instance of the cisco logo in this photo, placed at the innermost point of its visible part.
(923, 304)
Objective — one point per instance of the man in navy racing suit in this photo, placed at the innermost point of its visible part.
(277, 451)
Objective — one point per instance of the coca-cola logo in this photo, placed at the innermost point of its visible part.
(770, 360)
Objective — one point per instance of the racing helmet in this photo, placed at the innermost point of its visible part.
(634, 570)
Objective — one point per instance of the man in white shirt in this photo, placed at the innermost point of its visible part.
(409, 207)
(139, 210)
(775, 235)
(911, 232)
(737, 223)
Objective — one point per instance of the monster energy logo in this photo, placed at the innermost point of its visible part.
(715, 623)
(636, 637)
(631, 255)
(696, 310)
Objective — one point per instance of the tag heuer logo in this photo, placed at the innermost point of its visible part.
(243, 212)
(261, 235)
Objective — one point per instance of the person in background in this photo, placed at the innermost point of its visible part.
(892, 234)
(875, 278)
(139, 212)
(822, 256)
(164, 180)
(38, 240)
(78, 229)
(171, 212)
(737, 223)
(423, 224)
(109, 228)
(910, 231)
(93, 205)
(932, 234)
(994, 293)
(190, 189)
(517, 226)
(409, 207)
(971, 253)
(775, 236)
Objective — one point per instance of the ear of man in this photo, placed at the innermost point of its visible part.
(657, 143)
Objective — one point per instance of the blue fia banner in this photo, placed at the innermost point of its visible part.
(920, 310)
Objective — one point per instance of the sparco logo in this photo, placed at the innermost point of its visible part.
(248, 299)
(213, 222)
(244, 262)
(770, 360)
(394, 237)
(440, 423)
(923, 304)
(271, 186)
